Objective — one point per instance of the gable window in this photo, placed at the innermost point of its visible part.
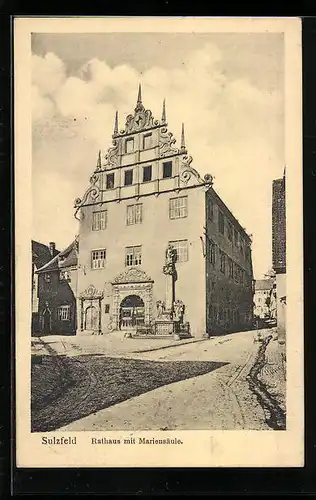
(109, 183)
(181, 248)
(167, 169)
(99, 220)
(129, 145)
(178, 207)
(64, 313)
(128, 177)
(133, 256)
(222, 262)
(212, 252)
(64, 276)
(230, 231)
(134, 214)
(221, 222)
(98, 258)
(147, 173)
(147, 141)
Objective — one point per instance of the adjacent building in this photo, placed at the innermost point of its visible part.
(144, 196)
(56, 292)
(41, 254)
(262, 298)
(279, 251)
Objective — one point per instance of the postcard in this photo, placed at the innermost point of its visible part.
(159, 242)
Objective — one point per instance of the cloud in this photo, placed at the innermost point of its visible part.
(233, 130)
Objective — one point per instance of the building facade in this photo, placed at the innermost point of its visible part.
(262, 298)
(57, 289)
(279, 251)
(144, 196)
(41, 255)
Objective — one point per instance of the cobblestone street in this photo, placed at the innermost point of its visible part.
(244, 388)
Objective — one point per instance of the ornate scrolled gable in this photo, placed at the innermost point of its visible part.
(132, 275)
(91, 293)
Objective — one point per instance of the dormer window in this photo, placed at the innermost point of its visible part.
(147, 141)
(167, 169)
(129, 145)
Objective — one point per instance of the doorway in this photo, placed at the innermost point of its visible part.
(132, 312)
(91, 318)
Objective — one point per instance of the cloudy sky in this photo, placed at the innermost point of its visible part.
(226, 88)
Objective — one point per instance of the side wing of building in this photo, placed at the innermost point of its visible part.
(229, 273)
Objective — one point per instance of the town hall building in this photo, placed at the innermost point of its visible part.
(156, 239)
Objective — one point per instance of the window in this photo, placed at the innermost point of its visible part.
(64, 313)
(147, 173)
(47, 277)
(129, 145)
(181, 247)
(98, 258)
(134, 214)
(106, 308)
(211, 209)
(167, 169)
(236, 237)
(222, 261)
(109, 181)
(230, 231)
(147, 141)
(178, 207)
(128, 177)
(99, 220)
(230, 268)
(211, 252)
(133, 256)
(221, 222)
(236, 273)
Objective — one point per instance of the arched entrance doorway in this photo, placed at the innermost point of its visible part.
(132, 312)
(91, 318)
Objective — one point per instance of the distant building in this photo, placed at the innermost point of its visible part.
(145, 195)
(279, 251)
(57, 282)
(262, 298)
(41, 254)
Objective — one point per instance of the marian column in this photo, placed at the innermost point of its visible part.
(169, 269)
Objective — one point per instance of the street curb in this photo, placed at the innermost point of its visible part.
(169, 346)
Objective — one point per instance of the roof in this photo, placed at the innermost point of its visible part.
(40, 254)
(264, 284)
(66, 258)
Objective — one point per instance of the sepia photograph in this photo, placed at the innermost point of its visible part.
(159, 234)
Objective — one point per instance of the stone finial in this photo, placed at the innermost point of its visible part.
(182, 138)
(163, 116)
(115, 132)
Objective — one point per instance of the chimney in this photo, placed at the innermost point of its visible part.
(52, 248)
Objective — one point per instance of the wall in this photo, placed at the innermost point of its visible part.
(229, 304)
(153, 234)
(281, 306)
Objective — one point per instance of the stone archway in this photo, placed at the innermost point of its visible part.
(134, 281)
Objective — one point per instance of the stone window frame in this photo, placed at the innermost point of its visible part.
(133, 255)
(176, 211)
(64, 312)
(222, 262)
(128, 141)
(96, 258)
(151, 172)
(110, 184)
(164, 169)
(146, 136)
(182, 250)
(134, 214)
(99, 223)
(126, 173)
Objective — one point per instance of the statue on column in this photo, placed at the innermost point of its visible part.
(170, 259)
